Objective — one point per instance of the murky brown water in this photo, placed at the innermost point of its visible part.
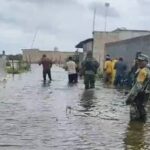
(56, 116)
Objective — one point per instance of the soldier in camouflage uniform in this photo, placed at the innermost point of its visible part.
(140, 92)
(89, 67)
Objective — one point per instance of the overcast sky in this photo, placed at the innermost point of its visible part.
(64, 23)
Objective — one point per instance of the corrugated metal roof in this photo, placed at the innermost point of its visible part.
(80, 45)
(122, 30)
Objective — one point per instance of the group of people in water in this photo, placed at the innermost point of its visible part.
(137, 79)
(88, 69)
(140, 92)
(115, 72)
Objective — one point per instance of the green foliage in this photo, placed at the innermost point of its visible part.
(99, 74)
(14, 57)
(8, 63)
(11, 70)
(22, 67)
(25, 67)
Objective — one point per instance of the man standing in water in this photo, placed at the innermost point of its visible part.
(108, 70)
(71, 68)
(140, 92)
(89, 67)
(121, 69)
(47, 64)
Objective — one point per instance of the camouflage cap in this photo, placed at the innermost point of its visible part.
(143, 57)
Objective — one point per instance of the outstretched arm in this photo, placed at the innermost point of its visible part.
(40, 62)
(51, 63)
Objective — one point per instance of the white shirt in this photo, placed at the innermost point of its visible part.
(71, 67)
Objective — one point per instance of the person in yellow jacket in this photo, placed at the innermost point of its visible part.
(140, 92)
(108, 70)
(114, 61)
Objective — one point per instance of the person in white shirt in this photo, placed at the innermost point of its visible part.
(71, 68)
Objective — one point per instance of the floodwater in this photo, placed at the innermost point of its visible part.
(58, 116)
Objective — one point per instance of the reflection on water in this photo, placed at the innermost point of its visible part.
(33, 116)
(87, 99)
(134, 139)
(46, 84)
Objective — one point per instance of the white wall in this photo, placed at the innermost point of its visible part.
(2, 67)
(87, 47)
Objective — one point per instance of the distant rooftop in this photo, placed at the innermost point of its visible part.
(80, 45)
(124, 29)
(129, 40)
(45, 51)
(30, 49)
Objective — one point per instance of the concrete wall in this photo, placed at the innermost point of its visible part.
(87, 47)
(2, 67)
(34, 55)
(128, 48)
(101, 38)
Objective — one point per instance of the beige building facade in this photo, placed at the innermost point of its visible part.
(101, 38)
(34, 55)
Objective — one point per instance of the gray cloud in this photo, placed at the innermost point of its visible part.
(143, 2)
(48, 18)
(100, 9)
(60, 23)
(64, 23)
(29, 24)
(144, 9)
(45, 2)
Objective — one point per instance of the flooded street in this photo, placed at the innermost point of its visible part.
(57, 116)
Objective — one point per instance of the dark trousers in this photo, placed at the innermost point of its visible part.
(119, 80)
(47, 72)
(89, 81)
(76, 77)
(72, 78)
(139, 106)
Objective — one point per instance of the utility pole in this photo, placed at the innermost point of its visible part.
(105, 28)
(33, 40)
(94, 18)
(34, 37)
(106, 13)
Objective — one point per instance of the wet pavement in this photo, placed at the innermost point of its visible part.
(58, 116)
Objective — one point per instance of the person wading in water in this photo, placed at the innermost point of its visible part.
(47, 65)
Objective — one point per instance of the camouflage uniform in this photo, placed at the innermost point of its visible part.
(140, 92)
(89, 67)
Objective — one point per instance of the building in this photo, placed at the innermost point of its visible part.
(128, 48)
(2, 65)
(34, 55)
(86, 45)
(101, 38)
